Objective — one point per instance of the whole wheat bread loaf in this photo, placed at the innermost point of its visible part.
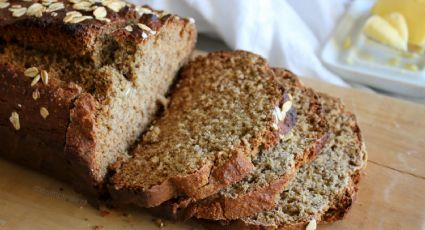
(224, 108)
(324, 190)
(273, 168)
(79, 83)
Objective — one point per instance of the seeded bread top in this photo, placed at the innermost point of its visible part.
(76, 27)
(225, 103)
(322, 185)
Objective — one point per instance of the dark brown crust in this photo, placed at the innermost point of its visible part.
(39, 143)
(336, 210)
(262, 198)
(82, 39)
(81, 144)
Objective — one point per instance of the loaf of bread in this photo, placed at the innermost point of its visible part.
(81, 80)
(323, 191)
(274, 168)
(226, 106)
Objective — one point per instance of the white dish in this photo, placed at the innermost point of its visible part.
(370, 63)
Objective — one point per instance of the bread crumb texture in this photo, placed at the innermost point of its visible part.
(283, 158)
(223, 103)
(320, 186)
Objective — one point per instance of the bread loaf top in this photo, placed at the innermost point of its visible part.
(78, 28)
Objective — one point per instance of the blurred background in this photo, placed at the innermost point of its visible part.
(293, 34)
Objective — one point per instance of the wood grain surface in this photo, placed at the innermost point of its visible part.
(391, 196)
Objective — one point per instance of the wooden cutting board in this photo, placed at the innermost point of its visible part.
(392, 191)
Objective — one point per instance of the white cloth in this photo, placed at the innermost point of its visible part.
(287, 32)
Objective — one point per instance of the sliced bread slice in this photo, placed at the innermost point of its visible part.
(324, 190)
(224, 108)
(273, 168)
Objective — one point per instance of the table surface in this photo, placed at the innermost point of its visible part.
(391, 196)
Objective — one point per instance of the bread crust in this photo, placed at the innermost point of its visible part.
(337, 210)
(51, 135)
(85, 39)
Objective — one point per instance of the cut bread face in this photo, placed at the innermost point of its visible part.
(273, 168)
(324, 190)
(118, 75)
(224, 108)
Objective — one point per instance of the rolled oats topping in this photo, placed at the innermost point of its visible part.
(79, 19)
(312, 225)
(48, 2)
(44, 77)
(129, 28)
(146, 28)
(71, 15)
(286, 106)
(35, 80)
(44, 112)
(114, 5)
(277, 113)
(83, 5)
(14, 119)
(36, 9)
(55, 7)
(99, 9)
(18, 11)
(75, 1)
(31, 72)
(35, 94)
(100, 12)
(142, 10)
(4, 5)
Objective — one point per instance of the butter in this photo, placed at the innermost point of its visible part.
(381, 30)
(399, 23)
(414, 13)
